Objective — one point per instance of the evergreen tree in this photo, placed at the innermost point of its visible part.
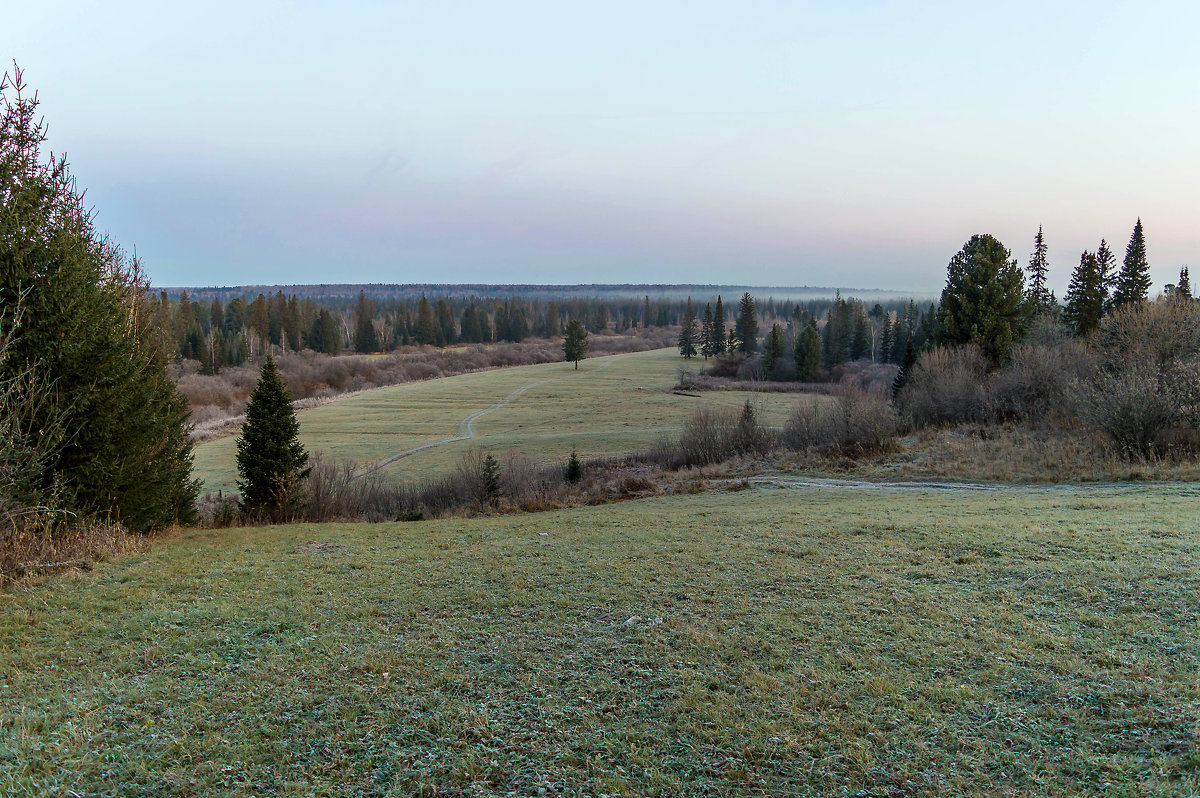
(646, 319)
(1184, 289)
(860, 343)
(983, 301)
(747, 324)
(112, 426)
(365, 338)
(325, 335)
(574, 468)
(706, 332)
(720, 344)
(272, 463)
(447, 333)
(1039, 266)
(906, 367)
(575, 343)
(1133, 283)
(1085, 296)
(887, 338)
(687, 332)
(426, 332)
(774, 348)
(553, 327)
(1106, 268)
(808, 352)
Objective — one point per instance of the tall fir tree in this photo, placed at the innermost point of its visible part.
(1106, 269)
(271, 462)
(1133, 281)
(426, 333)
(706, 332)
(365, 338)
(1183, 289)
(774, 348)
(1039, 267)
(747, 324)
(688, 334)
(907, 364)
(720, 344)
(808, 352)
(1085, 296)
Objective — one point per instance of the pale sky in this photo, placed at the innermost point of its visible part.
(771, 143)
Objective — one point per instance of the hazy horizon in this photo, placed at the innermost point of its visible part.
(786, 144)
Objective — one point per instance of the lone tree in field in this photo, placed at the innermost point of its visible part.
(983, 301)
(1133, 281)
(688, 334)
(76, 319)
(747, 325)
(575, 343)
(272, 463)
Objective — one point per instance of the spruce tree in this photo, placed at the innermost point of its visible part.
(1184, 289)
(983, 301)
(747, 325)
(688, 334)
(115, 421)
(271, 462)
(574, 468)
(906, 367)
(365, 338)
(808, 352)
(1106, 268)
(1133, 282)
(720, 344)
(1039, 266)
(1085, 296)
(575, 343)
(774, 347)
(427, 330)
(706, 332)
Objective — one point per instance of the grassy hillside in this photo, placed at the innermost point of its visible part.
(819, 641)
(611, 405)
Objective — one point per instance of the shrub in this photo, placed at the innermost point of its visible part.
(1040, 381)
(711, 435)
(945, 387)
(1158, 332)
(1131, 406)
(853, 421)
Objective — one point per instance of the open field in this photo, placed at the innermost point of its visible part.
(611, 405)
(768, 641)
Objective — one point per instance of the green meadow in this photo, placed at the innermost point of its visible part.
(761, 642)
(611, 406)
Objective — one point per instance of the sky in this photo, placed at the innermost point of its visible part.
(854, 144)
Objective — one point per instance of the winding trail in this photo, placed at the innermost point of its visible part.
(798, 483)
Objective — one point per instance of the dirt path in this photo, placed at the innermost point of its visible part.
(799, 482)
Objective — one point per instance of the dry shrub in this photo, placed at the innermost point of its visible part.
(726, 365)
(39, 543)
(1158, 332)
(712, 435)
(1131, 406)
(854, 422)
(1040, 382)
(946, 387)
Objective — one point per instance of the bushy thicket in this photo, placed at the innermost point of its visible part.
(1136, 381)
(853, 421)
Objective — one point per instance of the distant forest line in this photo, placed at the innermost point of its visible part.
(348, 292)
